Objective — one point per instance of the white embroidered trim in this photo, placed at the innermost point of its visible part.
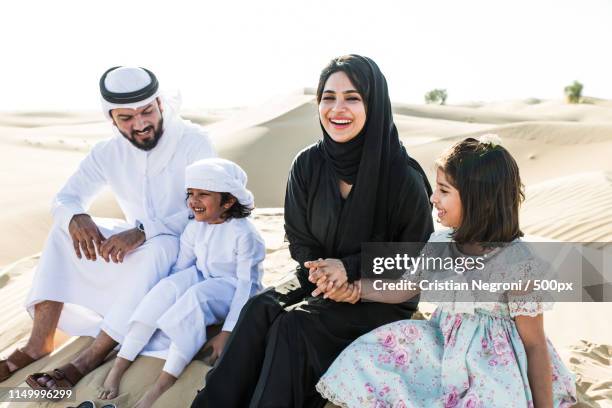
(329, 394)
(531, 309)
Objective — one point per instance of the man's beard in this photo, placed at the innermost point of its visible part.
(148, 144)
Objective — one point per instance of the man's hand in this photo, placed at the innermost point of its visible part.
(215, 347)
(116, 247)
(85, 236)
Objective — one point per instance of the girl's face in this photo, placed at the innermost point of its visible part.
(206, 205)
(341, 110)
(447, 201)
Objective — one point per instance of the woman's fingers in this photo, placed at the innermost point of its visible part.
(355, 295)
(315, 275)
(315, 272)
(327, 286)
(338, 295)
(316, 292)
(315, 264)
(332, 288)
(347, 294)
(312, 264)
(322, 285)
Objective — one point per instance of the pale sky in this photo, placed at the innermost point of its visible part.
(236, 53)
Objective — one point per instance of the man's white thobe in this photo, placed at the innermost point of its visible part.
(149, 187)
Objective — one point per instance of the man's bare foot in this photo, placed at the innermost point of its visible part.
(111, 383)
(164, 381)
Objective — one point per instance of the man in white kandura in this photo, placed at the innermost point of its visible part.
(94, 272)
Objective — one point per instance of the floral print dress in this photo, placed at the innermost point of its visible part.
(466, 355)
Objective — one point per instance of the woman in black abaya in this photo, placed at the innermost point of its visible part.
(356, 185)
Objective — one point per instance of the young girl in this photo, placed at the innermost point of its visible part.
(492, 354)
(219, 267)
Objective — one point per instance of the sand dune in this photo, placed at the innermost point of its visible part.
(555, 133)
(463, 114)
(575, 208)
(528, 110)
(29, 177)
(278, 141)
(48, 118)
(563, 152)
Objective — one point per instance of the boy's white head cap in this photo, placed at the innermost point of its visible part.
(220, 175)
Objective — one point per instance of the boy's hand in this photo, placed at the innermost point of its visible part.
(214, 347)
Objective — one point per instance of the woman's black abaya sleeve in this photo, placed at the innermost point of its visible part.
(409, 218)
(302, 245)
(414, 209)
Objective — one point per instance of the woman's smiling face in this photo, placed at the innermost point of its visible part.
(341, 110)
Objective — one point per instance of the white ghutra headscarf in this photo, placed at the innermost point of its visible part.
(132, 88)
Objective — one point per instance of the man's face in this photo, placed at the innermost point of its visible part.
(143, 127)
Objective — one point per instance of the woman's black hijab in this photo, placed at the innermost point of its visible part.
(366, 160)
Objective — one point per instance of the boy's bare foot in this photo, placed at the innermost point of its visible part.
(110, 388)
(164, 381)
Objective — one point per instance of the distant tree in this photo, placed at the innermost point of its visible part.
(573, 92)
(436, 96)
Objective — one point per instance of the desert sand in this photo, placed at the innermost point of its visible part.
(563, 152)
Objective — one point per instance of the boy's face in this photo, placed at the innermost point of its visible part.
(447, 201)
(206, 205)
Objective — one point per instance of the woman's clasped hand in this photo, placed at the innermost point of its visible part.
(329, 275)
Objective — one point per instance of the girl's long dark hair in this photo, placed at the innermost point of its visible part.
(489, 184)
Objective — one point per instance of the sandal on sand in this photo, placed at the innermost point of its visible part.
(19, 359)
(65, 377)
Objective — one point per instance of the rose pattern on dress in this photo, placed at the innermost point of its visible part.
(451, 399)
(411, 333)
(403, 364)
(471, 400)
